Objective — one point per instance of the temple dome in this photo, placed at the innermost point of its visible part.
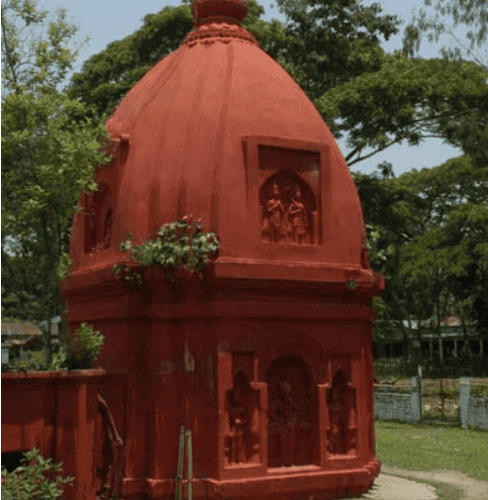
(213, 130)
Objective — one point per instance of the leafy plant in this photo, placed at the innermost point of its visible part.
(81, 350)
(479, 391)
(177, 246)
(37, 478)
(59, 359)
(49, 155)
(352, 284)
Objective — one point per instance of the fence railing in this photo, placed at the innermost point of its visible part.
(463, 401)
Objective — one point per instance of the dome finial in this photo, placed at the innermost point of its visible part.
(211, 10)
(218, 20)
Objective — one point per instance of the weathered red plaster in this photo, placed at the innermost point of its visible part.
(269, 359)
(55, 412)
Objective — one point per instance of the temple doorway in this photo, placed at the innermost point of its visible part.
(291, 413)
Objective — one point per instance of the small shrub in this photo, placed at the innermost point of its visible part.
(58, 361)
(82, 349)
(38, 478)
(177, 246)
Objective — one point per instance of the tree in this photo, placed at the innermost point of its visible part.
(443, 18)
(465, 24)
(408, 100)
(49, 153)
(441, 265)
(331, 42)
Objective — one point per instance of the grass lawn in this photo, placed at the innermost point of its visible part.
(428, 447)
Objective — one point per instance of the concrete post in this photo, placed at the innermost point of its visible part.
(464, 392)
(416, 399)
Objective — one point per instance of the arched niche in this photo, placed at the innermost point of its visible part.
(288, 210)
(299, 344)
(98, 218)
(242, 407)
(292, 422)
(341, 406)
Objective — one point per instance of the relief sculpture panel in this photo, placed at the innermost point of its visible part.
(243, 410)
(288, 207)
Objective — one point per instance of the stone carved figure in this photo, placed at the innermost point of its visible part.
(287, 215)
(297, 218)
(284, 419)
(290, 440)
(342, 416)
(242, 405)
(273, 217)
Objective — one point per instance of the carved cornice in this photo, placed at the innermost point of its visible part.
(218, 20)
(219, 31)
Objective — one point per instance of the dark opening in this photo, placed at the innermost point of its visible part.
(11, 461)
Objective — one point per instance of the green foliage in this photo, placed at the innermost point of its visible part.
(81, 350)
(38, 478)
(352, 284)
(177, 246)
(331, 42)
(439, 22)
(442, 18)
(35, 52)
(427, 233)
(48, 159)
(35, 362)
(479, 391)
(407, 100)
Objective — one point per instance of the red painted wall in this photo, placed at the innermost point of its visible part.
(55, 412)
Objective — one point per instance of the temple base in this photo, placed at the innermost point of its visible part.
(280, 484)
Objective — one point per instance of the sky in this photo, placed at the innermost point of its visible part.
(105, 21)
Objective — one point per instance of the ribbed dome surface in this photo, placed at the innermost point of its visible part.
(212, 130)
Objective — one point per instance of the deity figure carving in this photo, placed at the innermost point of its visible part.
(297, 218)
(241, 443)
(283, 420)
(342, 416)
(273, 217)
(289, 210)
(289, 417)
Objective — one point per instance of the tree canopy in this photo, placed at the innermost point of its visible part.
(49, 155)
(441, 20)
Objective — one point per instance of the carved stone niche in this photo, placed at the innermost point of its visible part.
(242, 442)
(291, 413)
(288, 210)
(98, 218)
(341, 407)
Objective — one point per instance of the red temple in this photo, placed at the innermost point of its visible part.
(269, 361)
